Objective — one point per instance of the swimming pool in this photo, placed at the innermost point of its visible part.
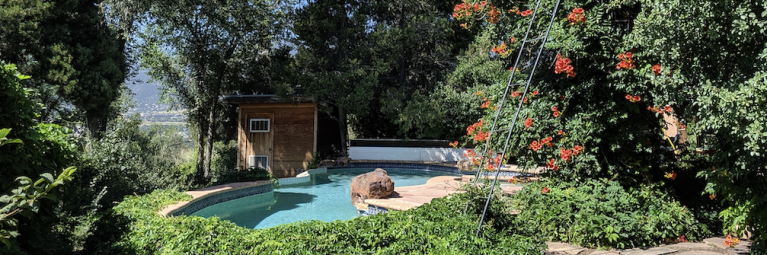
(326, 197)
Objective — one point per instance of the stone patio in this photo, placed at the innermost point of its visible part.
(406, 198)
(710, 246)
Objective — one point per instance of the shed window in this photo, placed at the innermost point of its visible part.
(259, 125)
(260, 161)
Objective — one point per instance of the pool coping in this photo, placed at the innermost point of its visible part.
(218, 191)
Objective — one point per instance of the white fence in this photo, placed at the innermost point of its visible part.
(406, 154)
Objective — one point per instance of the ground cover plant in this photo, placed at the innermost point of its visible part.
(603, 213)
(612, 76)
(437, 228)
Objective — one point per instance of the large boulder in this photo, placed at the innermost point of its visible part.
(373, 185)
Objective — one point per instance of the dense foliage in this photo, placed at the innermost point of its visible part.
(25, 199)
(609, 74)
(36, 149)
(246, 175)
(602, 213)
(438, 227)
(199, 51)
(367, 66)
(129, 161)
(76, 60)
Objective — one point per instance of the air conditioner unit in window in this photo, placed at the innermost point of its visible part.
(258, 161)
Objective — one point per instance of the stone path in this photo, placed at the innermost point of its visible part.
(710, 246)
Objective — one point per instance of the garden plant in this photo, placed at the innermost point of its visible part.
(134, 227)
(610, 73)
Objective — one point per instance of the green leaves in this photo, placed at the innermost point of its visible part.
(24, 200)
(710, 70)
(3, 140)
(601, 213)
(236, 175)
(437, 227)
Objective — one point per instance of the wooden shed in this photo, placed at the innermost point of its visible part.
(278, 134)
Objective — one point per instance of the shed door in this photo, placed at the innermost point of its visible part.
(259, 131)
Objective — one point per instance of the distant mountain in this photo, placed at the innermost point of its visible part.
(147, 98)
(146, 95)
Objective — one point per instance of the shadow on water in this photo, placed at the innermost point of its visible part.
(250, 211)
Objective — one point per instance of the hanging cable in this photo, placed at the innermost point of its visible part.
(506, 92)
(516, 114)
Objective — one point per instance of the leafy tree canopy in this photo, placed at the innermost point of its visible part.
(200, 50)
(369, 59)
(73, 55)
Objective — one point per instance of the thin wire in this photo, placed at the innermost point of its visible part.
(514, 120)
(506, 92)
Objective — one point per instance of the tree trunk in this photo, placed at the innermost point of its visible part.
(200, 147)
(209, 145)
(343, 129)
(96, 125)
(402, 78)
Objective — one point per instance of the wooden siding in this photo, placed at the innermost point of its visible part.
(291, 140)
(259, 143)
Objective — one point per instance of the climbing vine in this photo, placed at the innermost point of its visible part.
(617, 80)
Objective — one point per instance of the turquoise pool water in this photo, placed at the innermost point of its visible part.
(325, 197)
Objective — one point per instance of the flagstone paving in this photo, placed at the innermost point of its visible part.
(406, 198)
(559, 248)
(650, 251)
(710, 246)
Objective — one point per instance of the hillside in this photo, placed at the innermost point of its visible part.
(147, 98)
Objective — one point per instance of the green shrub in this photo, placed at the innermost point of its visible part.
(44, 150)
(601, 213)
(438, 227)
(316, 160)
(709, 78)
(246, 175)
(331, 153)
(224, 156)
(128, 160)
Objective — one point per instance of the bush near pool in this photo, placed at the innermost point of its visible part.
(134, 227)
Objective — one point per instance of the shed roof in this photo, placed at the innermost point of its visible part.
(265, 99)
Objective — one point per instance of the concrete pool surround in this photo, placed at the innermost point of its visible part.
(202, 198)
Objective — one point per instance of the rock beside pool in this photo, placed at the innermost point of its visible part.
(327, 163)
(465, 165)
(344, 161)
(373, 185)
